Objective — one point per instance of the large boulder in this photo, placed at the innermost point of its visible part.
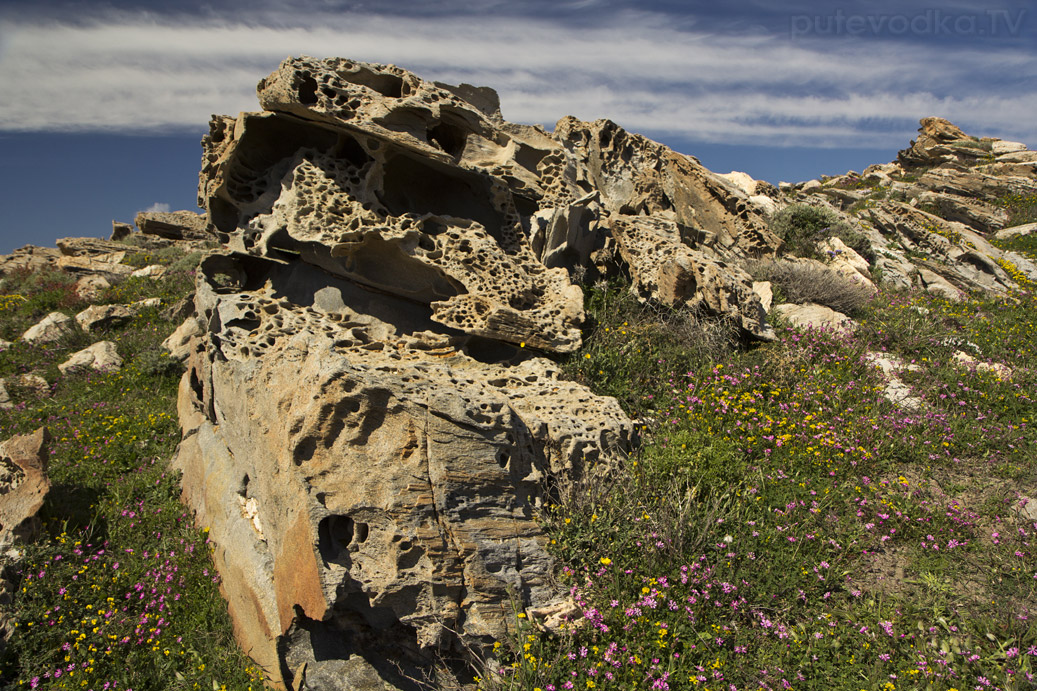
(369, 477)
(368, 426)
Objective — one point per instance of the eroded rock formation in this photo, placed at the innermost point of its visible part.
(368, 423)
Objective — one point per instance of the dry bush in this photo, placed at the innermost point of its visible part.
(802, 282)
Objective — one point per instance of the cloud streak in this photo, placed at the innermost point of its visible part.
(146, 73)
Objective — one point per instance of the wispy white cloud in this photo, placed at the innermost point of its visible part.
(157, 207)
(139, 72)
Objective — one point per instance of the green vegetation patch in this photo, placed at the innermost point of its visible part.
(119, 591)
(786, 526)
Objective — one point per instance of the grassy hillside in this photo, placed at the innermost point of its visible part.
(786, 526)
(118, 593)
(783, 526)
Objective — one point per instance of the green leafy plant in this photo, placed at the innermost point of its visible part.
(803, 226)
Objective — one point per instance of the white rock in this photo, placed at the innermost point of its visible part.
(1002, 147)
(150, 271)
(101, 356)
(766, 293)
(811, 185)
(938, 285)
(889, 364)
(764, 203)
(1018, 157)
(895, 391)
(5, 398)
(179, 342)
(4, 345)
(742, 182)
(49, 329)
(817, 316)
(996, 368)
(1016, 231)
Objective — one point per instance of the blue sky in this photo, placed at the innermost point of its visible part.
(103, 103)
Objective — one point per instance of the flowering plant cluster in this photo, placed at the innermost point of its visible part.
(118, 592)
(787, 525)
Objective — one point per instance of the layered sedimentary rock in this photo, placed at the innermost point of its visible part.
(930, 216)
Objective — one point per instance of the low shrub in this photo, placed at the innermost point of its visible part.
(802, 282)
(803, 226)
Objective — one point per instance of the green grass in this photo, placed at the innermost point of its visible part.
(785, 524)
(118, 592)
(1021, 208)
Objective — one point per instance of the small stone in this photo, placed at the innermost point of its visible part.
(155, 271)
(53, 327)
(98, 317)
(101, 356)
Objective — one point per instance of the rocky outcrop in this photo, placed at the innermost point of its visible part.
(328, 176)
(368, 426)
(369, 477)
(938, 142)
(930, 216)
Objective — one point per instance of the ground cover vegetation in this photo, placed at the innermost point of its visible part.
(785, 526)
(119, 591)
